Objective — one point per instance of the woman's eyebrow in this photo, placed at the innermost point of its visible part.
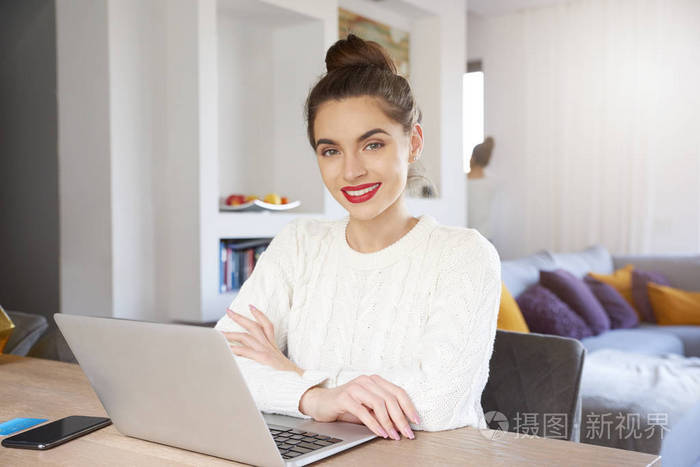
(324, 141)
(363, 136)
(369, 133)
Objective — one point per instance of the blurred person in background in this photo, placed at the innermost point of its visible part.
(482, 190)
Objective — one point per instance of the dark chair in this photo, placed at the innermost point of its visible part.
(53, 346)
(533, 385)
(28, 330)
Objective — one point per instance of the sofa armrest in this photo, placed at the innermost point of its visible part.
(682, 271)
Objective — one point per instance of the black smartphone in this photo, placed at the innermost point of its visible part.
(55, 433)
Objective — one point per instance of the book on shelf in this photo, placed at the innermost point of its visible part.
(238, 258)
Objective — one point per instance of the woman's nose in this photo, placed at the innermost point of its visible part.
(353, 167)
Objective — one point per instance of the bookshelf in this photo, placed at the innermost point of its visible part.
(237, 261)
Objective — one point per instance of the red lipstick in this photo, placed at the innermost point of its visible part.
(358, 187)
(363, 197)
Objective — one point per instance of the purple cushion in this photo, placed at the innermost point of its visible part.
(545, 313)
(621, 313)
(575, 293)
(640, 295)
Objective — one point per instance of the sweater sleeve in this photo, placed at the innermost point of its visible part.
(269, 288)
(449, 367)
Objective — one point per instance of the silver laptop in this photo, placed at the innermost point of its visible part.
(180, 385)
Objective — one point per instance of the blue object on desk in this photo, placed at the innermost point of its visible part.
(19, 424)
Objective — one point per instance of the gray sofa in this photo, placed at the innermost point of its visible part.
(630, 375)
(683, 272)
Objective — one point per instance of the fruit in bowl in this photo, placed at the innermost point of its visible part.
(235, 200)
(273, 198)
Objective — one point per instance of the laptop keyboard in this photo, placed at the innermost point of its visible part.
(292, 443)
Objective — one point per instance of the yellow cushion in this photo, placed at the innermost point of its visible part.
(510, 318)
(620, 280)
(674, 306)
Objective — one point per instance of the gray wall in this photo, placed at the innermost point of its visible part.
(29, 229)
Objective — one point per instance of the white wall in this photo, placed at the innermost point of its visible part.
(84, 157)
(427, 87)
(245, 65)
(179, 187)
(206, 274)
(129, 126)
(476, 36)
(594, 109)
(136, 36)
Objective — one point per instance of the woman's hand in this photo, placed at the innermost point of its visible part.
(390, 405)
(259, 342)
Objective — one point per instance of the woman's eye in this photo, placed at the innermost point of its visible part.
(374, 146)
(329, 152)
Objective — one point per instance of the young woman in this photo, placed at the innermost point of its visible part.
(386, 319)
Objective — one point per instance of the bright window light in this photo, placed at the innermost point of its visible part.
(473, 113)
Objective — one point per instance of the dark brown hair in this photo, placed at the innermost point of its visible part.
(355, 67)
(481, 154)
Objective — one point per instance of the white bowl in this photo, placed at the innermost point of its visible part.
(258, 205)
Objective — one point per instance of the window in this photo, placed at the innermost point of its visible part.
(472, 110)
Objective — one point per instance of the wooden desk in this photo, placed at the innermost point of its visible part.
(31, 387)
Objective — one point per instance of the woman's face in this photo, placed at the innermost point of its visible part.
(363, 155)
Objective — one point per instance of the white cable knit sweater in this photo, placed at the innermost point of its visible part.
(421, 313)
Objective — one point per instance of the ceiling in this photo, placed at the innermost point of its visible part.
(502, 7)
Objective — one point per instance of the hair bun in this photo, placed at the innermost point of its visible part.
(354, 51)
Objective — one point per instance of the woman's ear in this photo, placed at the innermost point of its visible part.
(416, 142)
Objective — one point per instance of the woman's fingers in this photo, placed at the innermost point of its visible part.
(350, 418)
(398, 392)
(360, 411)
(378, 405)
(247, 352)
(267, 326)
(243, 338)
(248, 324)
(398, 417)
